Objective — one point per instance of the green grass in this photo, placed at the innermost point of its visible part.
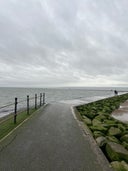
(8, 125)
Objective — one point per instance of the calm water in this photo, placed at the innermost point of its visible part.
(7, 95)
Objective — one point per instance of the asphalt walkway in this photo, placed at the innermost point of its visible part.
(51, 140)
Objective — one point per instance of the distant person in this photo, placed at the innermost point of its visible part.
(115, 92)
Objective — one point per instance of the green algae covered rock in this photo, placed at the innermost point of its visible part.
(87, 120)
(96, 122)
(125, 144)
(112, 139)
(125, 132)
(91, 114)
(98, 134)
(101, 118)
(110, 122)
(124, 165)
(124, 138)
(106, 125)
(110, 134)
(121, 127)
(114, 131)
(119, 166)
(98, 128)
(116, 152)
(101, 141)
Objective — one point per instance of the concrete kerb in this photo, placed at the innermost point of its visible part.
(21, 123)
(102, 160)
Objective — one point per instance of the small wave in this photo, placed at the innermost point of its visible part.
(4, 112)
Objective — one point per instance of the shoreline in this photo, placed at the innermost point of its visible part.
(121, 113)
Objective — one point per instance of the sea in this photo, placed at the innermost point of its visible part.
(8, 95)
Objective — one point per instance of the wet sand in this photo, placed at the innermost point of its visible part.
(121, 113)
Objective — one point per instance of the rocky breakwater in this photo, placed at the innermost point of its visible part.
(110, 134)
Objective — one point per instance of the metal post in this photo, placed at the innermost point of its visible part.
(15, 110)
(43, 98)
(28, 104)
(40, 99)
(35, 101)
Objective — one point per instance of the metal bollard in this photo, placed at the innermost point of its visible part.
(40, 99)
(15, 110)
(43, 98)
(28, 105)
(35, 101)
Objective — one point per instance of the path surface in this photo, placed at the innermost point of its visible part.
(51, 140)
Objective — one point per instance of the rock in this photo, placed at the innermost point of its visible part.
(91, 115)
(96, 122)
(114, 131)
(98, 128)
(113, 139)
(121, 127)
(98, 134)
(102, 113)
(83, 116)
(87, 120)
(125, 144)
(124, 165)
(124, 133)
(107, 109)
(106, 125)
(100, 117)
(110, 122)
(119, 166)
(124, 138)
(101, 141)
(116, 152)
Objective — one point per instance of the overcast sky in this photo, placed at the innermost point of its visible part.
(47, 43)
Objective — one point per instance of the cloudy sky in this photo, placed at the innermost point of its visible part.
(47, 43)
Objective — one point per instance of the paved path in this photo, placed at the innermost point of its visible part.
(51, 140)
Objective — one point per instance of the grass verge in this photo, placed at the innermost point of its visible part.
(8, 125)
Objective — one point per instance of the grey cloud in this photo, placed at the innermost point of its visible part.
(63, 42)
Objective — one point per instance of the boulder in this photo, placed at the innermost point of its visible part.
(119, 166)
(98, 128)
(116, 152)
(113, 139)
(103, 114)
(114, 131)
(107, 109)
(110, 122)
(83, 116)
(87, 120)
(125, 144)
(124, 165)
(98, 134)
(125, 132)
(106, 125)
(96, 122)
(91, 115)
(101, 141)
(124, 138)
(116, 165)
(100, 117)
(121, 127)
